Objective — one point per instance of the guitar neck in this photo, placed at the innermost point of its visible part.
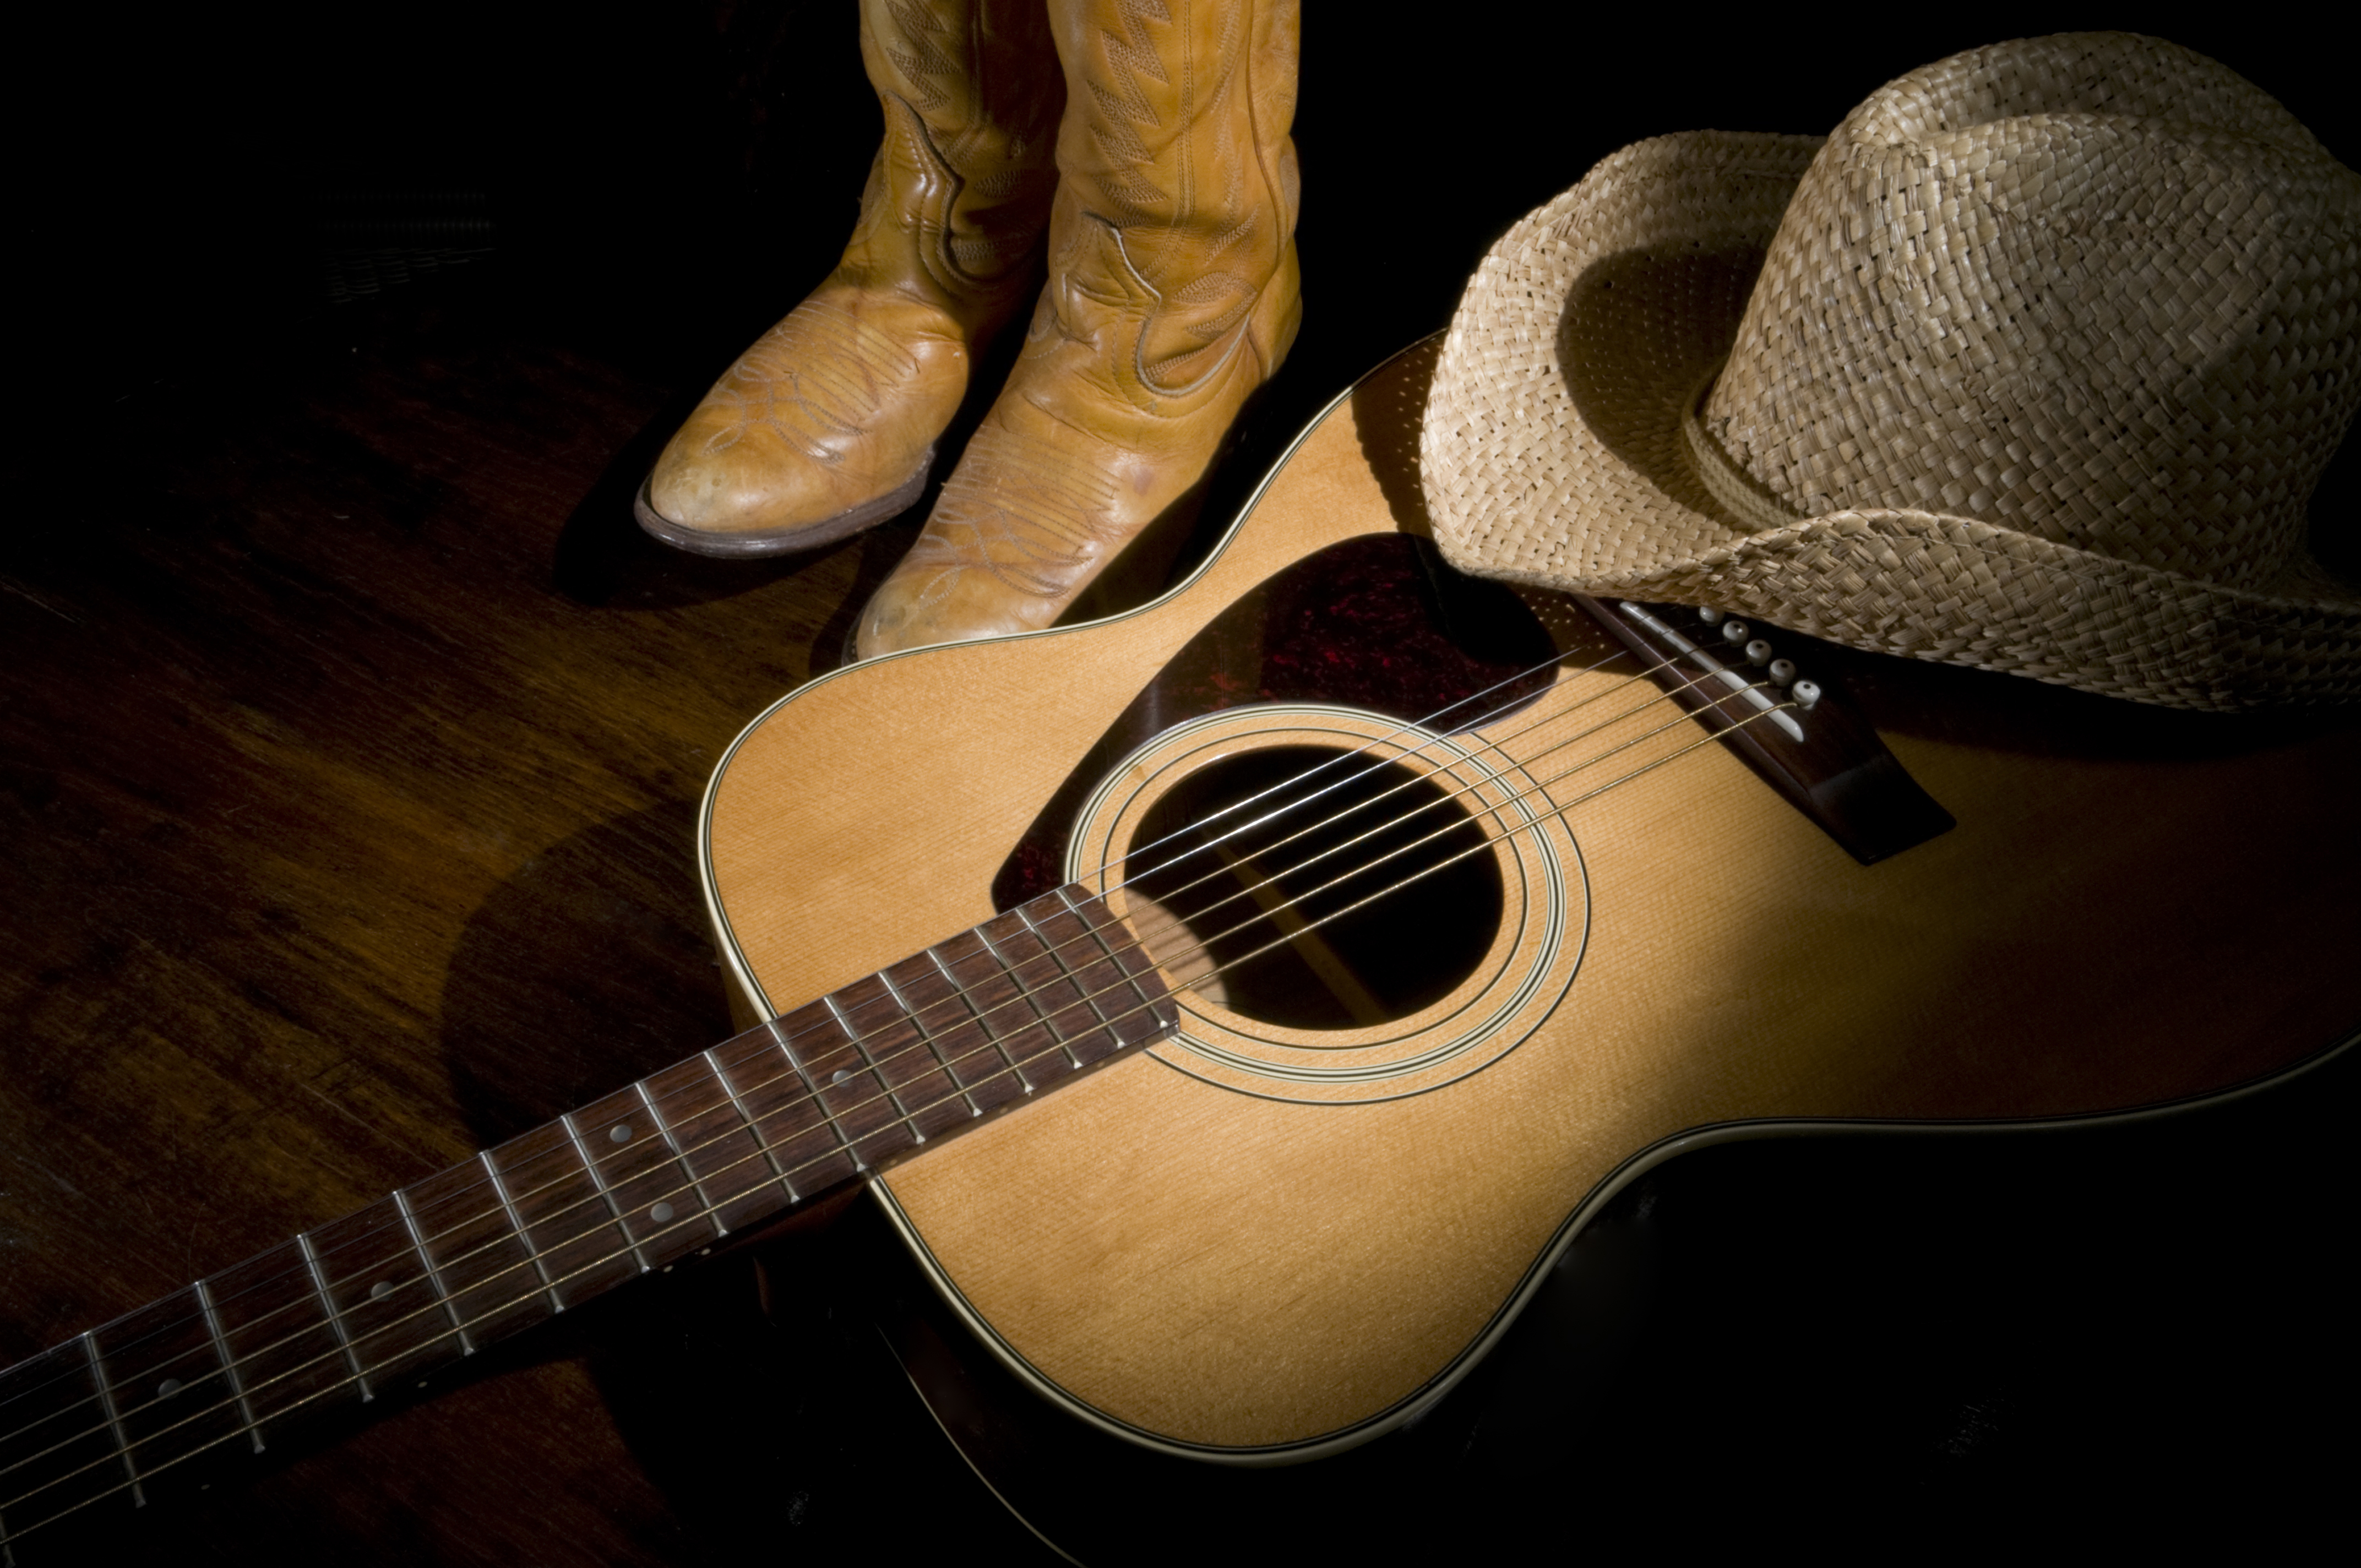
(787, 1113)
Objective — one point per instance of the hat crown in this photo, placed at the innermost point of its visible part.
(2095, 288)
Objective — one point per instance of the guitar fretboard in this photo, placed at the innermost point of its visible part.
(786, 1113)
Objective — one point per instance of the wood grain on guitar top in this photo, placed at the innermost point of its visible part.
(2135, 906)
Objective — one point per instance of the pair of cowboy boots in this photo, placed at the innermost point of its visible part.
(1146, 142)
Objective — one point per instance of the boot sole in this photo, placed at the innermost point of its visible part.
(783, 541)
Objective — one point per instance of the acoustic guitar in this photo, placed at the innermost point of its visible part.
(1372, 927)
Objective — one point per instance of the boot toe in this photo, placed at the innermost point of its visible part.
(762, 498)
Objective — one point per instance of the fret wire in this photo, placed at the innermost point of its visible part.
(434, 1274)
(928, 1040)
(1122, 974)
(817, 1098)
(598, 1179)
(959, 991)
(852, 1036)
(523, 1237)
(788, 1051)
(975, 1013)
(1027, 994)
(114, 1418)
(1555, 811)
(713, 1065)
(228, 1363)
(1065, 970)
(335, 1319)
(664, 1129)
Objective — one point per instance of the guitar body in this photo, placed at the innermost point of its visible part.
(1260, 1241)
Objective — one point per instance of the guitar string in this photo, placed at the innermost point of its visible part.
(846, 1148)
(711, 1210)
(843, 1150)
(447, 1200)
(960, 996)
(1410, 783)
(1426, 723)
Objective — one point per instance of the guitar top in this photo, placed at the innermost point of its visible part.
(1280, 1230)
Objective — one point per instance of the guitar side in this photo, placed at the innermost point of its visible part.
(1249, 1277)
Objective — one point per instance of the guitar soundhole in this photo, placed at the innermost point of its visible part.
(1288, 887)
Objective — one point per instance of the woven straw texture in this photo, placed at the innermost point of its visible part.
(2031, 365)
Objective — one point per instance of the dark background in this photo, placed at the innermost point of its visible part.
(1897, 1350)
(657, 183)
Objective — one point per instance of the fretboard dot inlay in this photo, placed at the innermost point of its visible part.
(381, 1289)
(620, 1132)
(660, 1212)
(169, 1387)
(841, 1074)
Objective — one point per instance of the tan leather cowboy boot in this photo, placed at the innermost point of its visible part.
(827, 424)
(1173, 293)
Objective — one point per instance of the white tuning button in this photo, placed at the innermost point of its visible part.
(1710, 617)
(1807, 693)
(1758, 651)
(1734, 631)
(1783, 670)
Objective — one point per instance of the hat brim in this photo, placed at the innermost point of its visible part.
(1554, 453)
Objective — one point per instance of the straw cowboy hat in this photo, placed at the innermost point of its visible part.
(2031, 365)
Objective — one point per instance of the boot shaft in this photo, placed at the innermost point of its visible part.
(1176, 184)
(962, 182)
